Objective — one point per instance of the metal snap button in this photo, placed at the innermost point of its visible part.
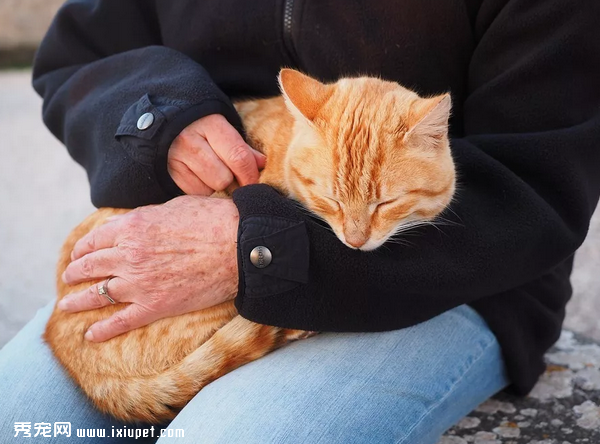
(261, 257)
(145, 121)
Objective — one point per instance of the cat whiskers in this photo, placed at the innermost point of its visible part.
(441, 221)
(407, 229)
(398, 241)
(459, 223)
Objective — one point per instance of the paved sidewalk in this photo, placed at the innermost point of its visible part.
(43, 194)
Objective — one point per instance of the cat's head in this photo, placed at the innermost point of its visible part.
(368, 156)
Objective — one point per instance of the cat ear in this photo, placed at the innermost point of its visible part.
(428, 119)
(304, 96)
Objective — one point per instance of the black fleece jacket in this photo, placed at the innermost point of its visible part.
(525, 134)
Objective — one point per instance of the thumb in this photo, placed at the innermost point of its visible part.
(260, 158)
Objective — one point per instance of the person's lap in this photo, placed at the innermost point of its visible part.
(405, 387)
(35, 389)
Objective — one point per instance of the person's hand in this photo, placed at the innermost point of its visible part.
(208, 154)
(167, 260)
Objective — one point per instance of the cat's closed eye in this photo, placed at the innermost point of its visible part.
(347, 168)
(387, 202)
(382, 204)
(336, 203)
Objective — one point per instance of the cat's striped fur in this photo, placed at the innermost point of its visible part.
(366, 155)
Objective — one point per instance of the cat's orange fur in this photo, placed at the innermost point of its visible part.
(366, 155)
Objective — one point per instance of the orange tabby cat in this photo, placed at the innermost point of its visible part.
(368, 156)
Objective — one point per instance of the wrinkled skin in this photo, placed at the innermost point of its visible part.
(167, 260)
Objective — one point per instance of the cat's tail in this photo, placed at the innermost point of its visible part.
(159, 397)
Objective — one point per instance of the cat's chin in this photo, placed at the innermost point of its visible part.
(370, 245)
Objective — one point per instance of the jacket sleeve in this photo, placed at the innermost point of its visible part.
(101, 67)
(529, 174)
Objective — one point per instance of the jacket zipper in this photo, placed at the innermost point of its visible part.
(288, 39)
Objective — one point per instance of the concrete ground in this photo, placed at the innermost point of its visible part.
(43, 194)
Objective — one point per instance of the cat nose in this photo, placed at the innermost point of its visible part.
(356, 239)
(356, 243)
(356, 230)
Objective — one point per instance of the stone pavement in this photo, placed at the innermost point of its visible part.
(43, 194)
(562, 408)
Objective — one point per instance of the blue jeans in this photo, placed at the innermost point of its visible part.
(404, 387)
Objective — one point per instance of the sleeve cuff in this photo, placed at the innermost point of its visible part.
(270, 220)
(150, 146)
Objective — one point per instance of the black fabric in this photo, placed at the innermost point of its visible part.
(525, 134)
(287, 242)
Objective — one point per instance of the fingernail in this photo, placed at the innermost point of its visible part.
(72, 256)
(115, 217)
(89, 336)
(63, 304)
(63, 277)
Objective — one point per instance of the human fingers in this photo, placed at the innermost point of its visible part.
(194, 151)
(187, 180)
(131, 317)
(261, 159)
(231, 148)
(95, 265)
(90, 298)
(101, 237)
